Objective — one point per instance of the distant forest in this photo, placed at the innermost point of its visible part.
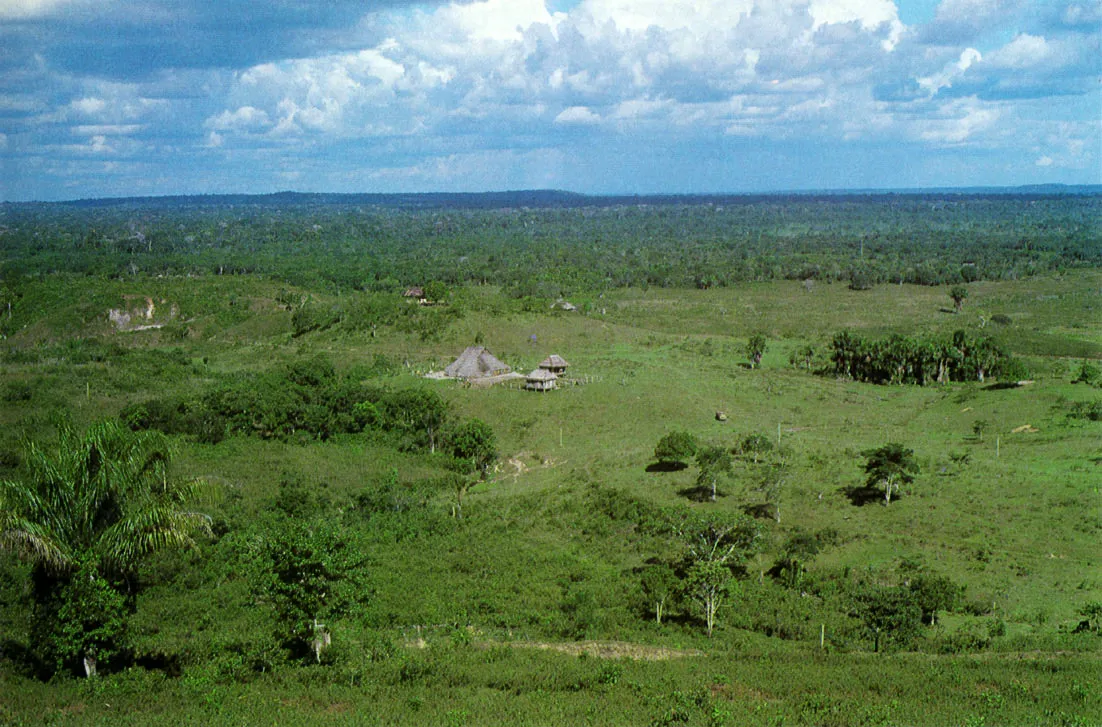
(549, 244)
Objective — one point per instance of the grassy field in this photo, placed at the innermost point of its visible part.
(542, 558)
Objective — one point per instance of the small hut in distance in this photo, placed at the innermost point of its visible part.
(554, 364)
(476, 363)
(541, 380)
(416, 293)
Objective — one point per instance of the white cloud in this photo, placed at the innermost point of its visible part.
(958, 122)
(1045, 161)
(945, 77)
(246, 118)
(1022, 52)
(89, 106)
(487, 72)
(577, 115)
(493, 20)
(870, 14)
(637, 16)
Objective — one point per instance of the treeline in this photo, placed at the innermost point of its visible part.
(550, 251)
(900, 359)
(309, 399)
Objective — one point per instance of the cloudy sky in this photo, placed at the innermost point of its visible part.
(150, 97)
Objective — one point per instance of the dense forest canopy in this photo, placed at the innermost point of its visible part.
(549, 244)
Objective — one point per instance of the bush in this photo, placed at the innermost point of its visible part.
(1088, 374)
(675, 448)
(1090, 410)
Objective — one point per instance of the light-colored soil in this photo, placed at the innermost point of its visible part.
(609, 649)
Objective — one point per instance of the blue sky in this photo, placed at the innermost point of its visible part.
(151, 97)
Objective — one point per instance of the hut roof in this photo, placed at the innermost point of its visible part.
(541, 375)
(414, 292)
(474, 363)
(554, 361)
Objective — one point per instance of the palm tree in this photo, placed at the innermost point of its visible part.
(102, 500)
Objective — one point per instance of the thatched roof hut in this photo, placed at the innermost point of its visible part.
(476, 363)
(540, 380)
(554, 363)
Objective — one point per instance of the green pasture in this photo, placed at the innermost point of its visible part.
(1013, 514)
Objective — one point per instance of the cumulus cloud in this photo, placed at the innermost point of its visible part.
(957, 122)
(577, 115)
(245, 118)
(439, 85)
(945, 77)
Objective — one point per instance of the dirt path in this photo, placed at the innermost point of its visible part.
(609, 650)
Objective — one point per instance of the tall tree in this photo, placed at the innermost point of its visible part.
(101, 502)
(890, 466)
(755, 349)
(958, 293)
(714, 544)
(473, 442)
(715, 463)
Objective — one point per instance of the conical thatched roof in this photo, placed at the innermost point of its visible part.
(541, 375)
(553, 362)
(475, 363)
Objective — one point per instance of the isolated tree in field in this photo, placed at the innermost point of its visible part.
(771, 482)
(933, 593)
(675, 448)
(890, 467)
(802, 356)
(474, 442)
(714, 463)
(959, 294)
(755, 446)
(93, 508)
(755, 349)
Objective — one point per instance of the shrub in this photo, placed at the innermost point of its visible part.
(1088, 374)
(675, 448)
(1090, 410)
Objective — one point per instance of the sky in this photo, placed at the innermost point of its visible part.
(113, 98)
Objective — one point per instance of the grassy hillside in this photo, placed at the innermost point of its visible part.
(498, 616)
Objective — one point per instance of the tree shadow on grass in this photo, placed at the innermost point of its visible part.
(862, 495)
(167, 663)
(764, 511)
(1001, 385)
(696, 493)
(666, 467)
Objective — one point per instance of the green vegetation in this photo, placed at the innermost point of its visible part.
(377, 547)
(891, 467)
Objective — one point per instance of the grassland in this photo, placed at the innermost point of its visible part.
(548, 551)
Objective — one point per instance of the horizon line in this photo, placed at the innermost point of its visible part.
(1053, 187)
